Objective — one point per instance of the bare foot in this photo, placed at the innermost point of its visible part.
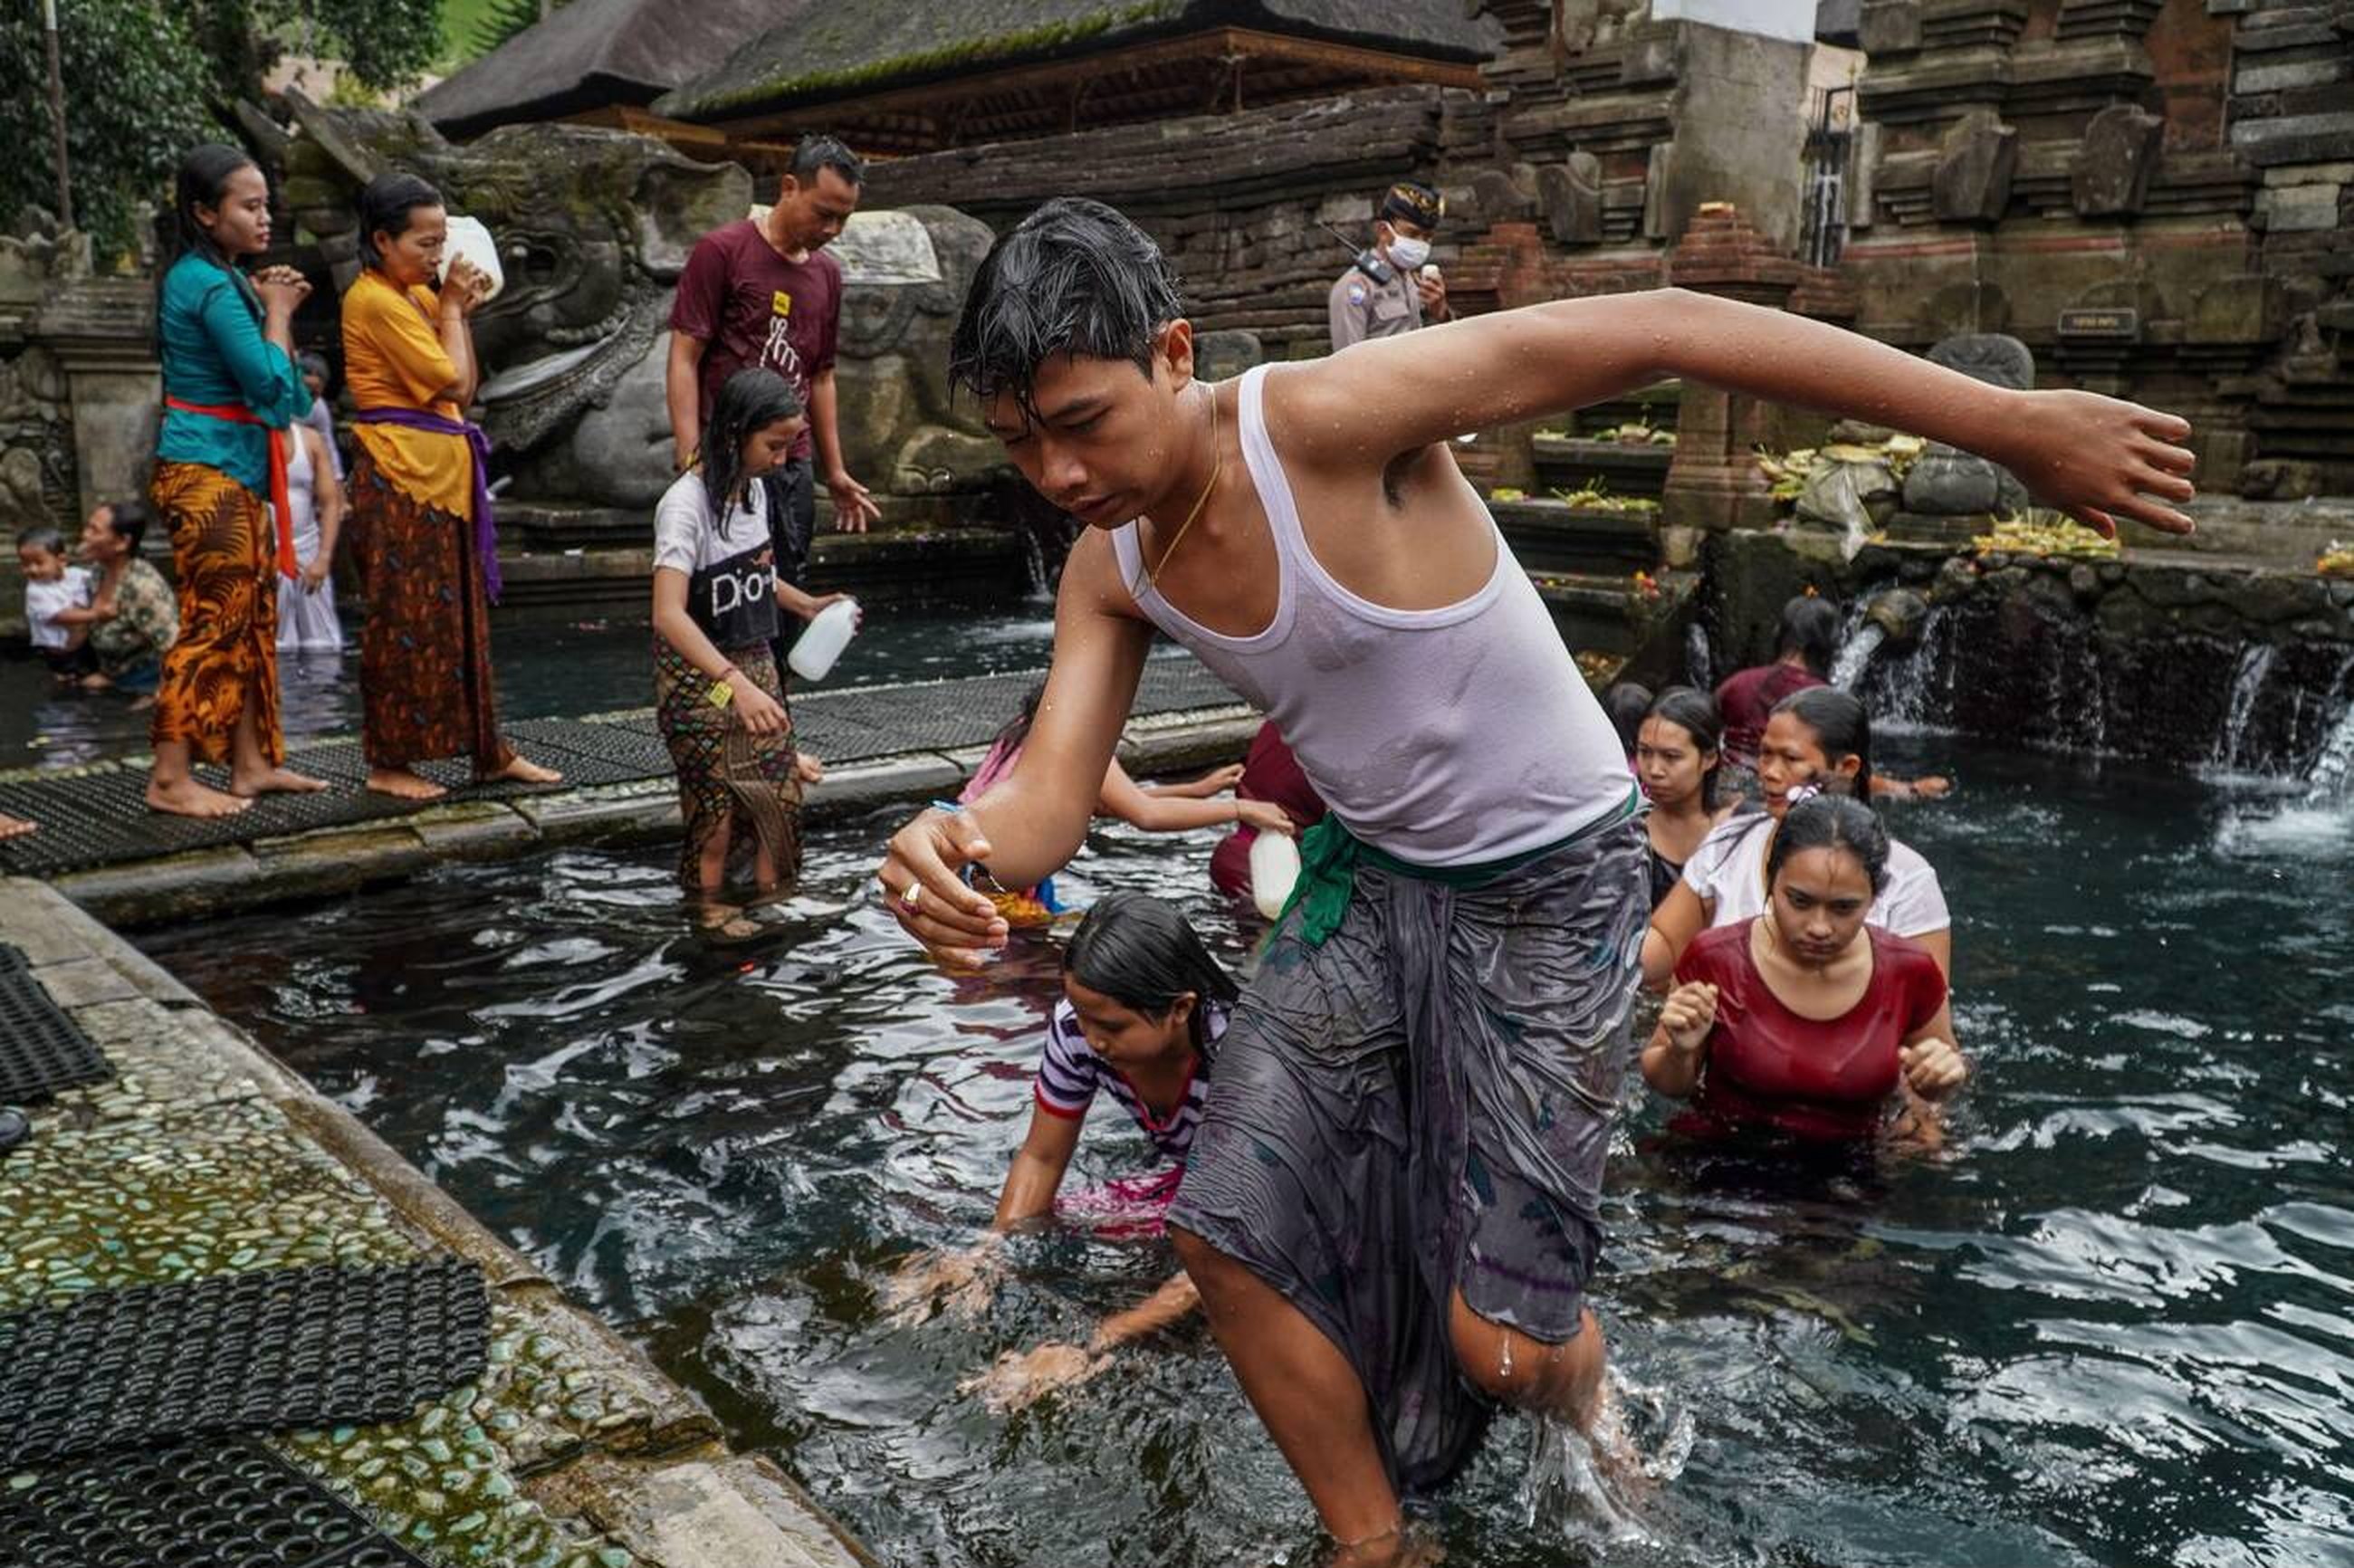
(400, 783)
(186, 798)
(807, 768)
(521, 769)
(274, 780)
(15, 827)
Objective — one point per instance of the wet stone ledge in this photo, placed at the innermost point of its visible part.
(204, 1157)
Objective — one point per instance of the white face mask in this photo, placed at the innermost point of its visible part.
(1409, 254)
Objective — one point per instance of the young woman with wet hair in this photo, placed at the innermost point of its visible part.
(1144, 1006)
(1451, 989)
(720, 699)
(231, 397)
(1817, 741)
(1678, 761)
(1808, 1019)
(420, 501)
(1805, 644)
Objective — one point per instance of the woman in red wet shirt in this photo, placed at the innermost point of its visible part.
(1806, 1021)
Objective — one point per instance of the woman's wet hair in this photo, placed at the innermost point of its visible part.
(1142, 953)
(129, 519)
(1627, 703)
(749, 401)
(384, 208)
(1841, 727)
(1810, 629)
(1832, 822)
(202, 180)
(1074, 277)
(1017, 728)
(1694, 711)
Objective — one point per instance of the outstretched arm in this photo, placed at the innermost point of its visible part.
(1026, 827)
(2090, 455)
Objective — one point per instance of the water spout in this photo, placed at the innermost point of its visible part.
(2327, 780)
(2247, 684)
(1699, 660)
(1855, 655)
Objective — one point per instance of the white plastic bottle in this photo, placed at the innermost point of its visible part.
(1273, 867)
(822, 641)
(470, 238)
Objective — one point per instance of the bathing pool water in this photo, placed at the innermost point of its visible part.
(2112, 1326)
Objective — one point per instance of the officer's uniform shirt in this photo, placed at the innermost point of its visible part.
(1361, 308)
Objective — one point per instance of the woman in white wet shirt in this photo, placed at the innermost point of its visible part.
(719, 698)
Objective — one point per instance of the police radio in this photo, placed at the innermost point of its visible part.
(1367, 260)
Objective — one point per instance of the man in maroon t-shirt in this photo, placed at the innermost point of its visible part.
(765, 294)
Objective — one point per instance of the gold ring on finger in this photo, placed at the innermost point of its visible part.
(915, 891)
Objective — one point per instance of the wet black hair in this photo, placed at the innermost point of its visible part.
(385, 204)
(129, 519)
(812, 154)
(1694, 711)
(1627, 703)
(1142, 953)
(1843, 727)
(1833, 822)
(1074, 277)
(202, 180)
(1810, 629)
(751, 399)
(1017, 728)
(45, 537)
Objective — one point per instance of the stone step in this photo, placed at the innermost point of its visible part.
(1624, 468)
(1552, 537)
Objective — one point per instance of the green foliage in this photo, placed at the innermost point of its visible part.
(502, 20)
(134, 93)
(142, 80)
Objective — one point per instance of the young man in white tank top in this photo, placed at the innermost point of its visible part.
(1305, 530)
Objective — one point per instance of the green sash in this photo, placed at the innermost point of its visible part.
(1329, 854)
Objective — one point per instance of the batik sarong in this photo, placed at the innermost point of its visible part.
(225, 655)
(728, 777)
(425, 647)
(1423, 1103)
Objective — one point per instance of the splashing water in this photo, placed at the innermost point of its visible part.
(1598, 1488)
(1855, 655)
(2247, 684)
(2327, 780)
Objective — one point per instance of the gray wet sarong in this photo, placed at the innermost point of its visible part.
(1422, 1104)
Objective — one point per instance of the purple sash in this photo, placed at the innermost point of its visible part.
(486, 536)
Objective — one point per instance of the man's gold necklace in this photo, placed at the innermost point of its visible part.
(1217, 466)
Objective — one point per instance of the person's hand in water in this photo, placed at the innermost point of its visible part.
(1932, 787)
(1264, 815)
(959, 1282)
(756, 710)
(1687, 1016)
(1020, 1378)
(2098, 459)
(1932, 1068)
(923, 887)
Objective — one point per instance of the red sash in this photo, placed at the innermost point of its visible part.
(287, 565)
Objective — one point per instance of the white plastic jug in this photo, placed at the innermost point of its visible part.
(822, 641)
(469, 239)
(1273, 867)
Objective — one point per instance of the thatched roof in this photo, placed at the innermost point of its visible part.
(846, 49)
(595, 54)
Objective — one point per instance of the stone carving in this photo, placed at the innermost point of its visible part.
(595, 226)
(1571, 193)
(1946, 482)
(2112, 171)
(1972, 184)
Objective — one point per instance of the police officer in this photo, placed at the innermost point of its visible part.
(1386, 291)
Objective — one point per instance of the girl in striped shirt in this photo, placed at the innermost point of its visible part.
(1143, 1006)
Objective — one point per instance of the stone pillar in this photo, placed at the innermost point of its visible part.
(1714, 481)
(101, 333)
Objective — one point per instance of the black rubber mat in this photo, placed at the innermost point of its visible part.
(97, 816)
(191, 1505)
(42, 1049)
(240, 1353)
